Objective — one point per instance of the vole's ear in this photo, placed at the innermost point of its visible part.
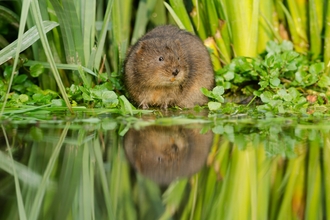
(140, 47)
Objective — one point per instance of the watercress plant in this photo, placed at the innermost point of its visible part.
(278, 81)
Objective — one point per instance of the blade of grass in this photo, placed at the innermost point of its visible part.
(253, 29)
(43, 185)
(86, 188)
(102, 35)
(243, 22)
(159, 16)
(180, 10)
(61, 66)
(313, 198)
(28, 38)
(265, 33)
(326, 171)
(215, 56)
(212, 17)
(48, 52)
(144, 11)
(291, 199)
(315, 11)
(88, 26)
(326, 52)
(21, 210)
(297, 31)
(103, 179)
(121, 17)
(198, 21)
(24, 13)
(175, 16)
(67, 36)
(224, 49)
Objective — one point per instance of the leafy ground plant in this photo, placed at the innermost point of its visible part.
(281, 80)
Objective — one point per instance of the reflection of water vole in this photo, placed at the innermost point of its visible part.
(167, 67)
(165, 153)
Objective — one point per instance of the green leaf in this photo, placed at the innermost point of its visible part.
(229, 75)
(23, 98)
(29, 38)
(36, 134)
(109, 96)
(218, 129)
(20, 79)
(218, 90)
(266, 97)
(36, 70)
(316, 68)
(58, 102)
(275, 82)
(213, 106)
(324, 81)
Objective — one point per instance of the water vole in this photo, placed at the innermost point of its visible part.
(167, 67)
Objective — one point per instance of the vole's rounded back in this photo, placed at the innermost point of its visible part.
(167, 67)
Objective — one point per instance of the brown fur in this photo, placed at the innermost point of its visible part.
(174, 81)
(165, 153)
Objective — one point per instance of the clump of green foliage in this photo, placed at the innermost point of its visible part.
(280, 80)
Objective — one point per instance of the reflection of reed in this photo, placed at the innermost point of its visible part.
(165, 153)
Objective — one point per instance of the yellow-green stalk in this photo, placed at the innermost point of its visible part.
(180, 10)
(315, 11)
(224, 48)
(198, 21)
(326, 53)
(298, 28)
(291, 197)
(314, 184)
(212, 17)
(243, 17)
(326, 170)
(215, 56)
(121, 18)
(266, 15)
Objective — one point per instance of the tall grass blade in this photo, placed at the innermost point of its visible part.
(42, 188)
(315, 11)
(265, 33)
(175, 16)
(313, 198)
(326, 171)
(121, 21)
(143, 15)
(243, 18)
(48, 52)
(103, 179)
(326, 52)
(198, 19)
(180, 10)
(296, 26)
(21, 210)
(212, 17)
(88, 27)
(24, 13)
(102, 35)
(66, 31)
(28, 38)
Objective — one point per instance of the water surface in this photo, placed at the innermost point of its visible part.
(165, 166)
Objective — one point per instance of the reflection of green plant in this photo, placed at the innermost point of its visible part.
(266, 168)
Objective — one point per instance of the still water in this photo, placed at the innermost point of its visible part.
(171, 167)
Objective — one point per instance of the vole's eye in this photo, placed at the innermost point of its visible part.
(161, 58)
(178, 58)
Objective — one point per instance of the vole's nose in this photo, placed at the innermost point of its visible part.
(175, 72)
